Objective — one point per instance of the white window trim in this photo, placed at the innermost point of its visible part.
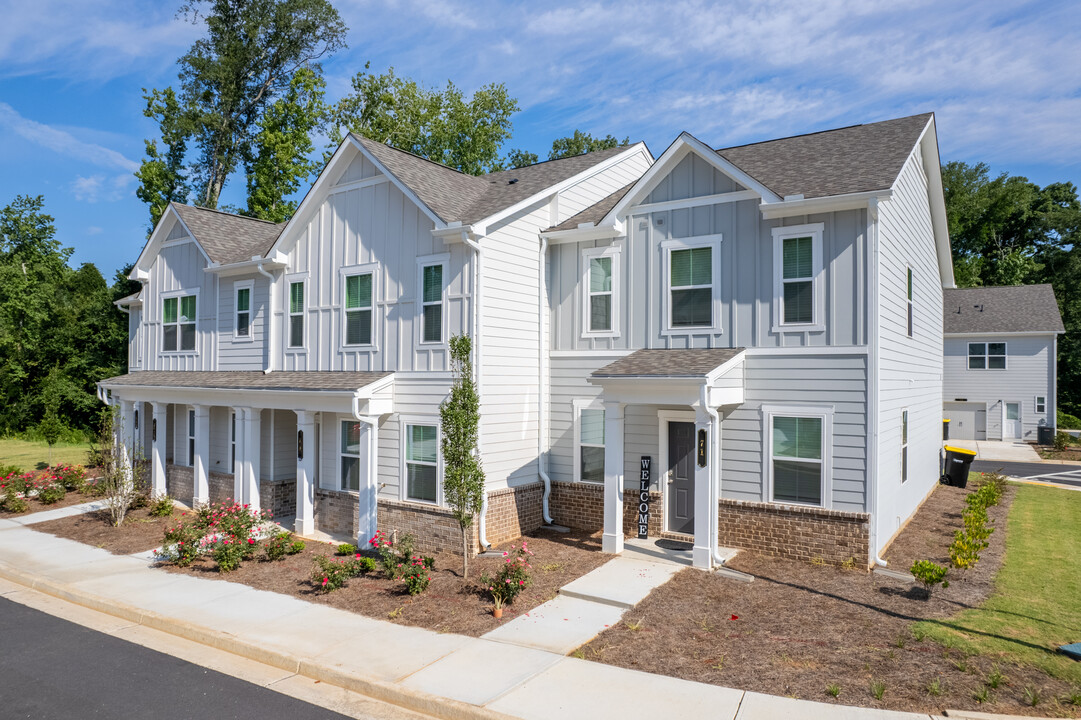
(687, 243)
(1036, 404)
(404, 421)
(986, 356)
(345, 272)
(660, 473)
(423, 262)
(904, 443)
(161, 320)
(818, 293)
(578, 405)
(338, 455)
(825, 412)
(614, 252)
(248, 285)
(287, 335)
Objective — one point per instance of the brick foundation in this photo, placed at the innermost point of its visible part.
(577, 505)
(799, 533)
(335, 512)
(630, 514)
(513, 512)
(220, 486)
(435, 528)
(180, 483)
(279, 497)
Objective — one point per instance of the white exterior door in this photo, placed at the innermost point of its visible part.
(1011, 421)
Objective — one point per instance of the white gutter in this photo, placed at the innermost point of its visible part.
(542, 387)
(714, 476)
(270, 346)
(482, 526)
(872, 384)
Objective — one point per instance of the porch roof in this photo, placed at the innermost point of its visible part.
(290, 380)
(669, 363)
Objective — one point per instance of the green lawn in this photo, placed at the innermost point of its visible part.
(1036, 606)
(34, 455)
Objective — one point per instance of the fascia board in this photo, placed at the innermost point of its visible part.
(337, 401)
(591, 232)
(996, 333)
(932, 168)
(140, 271)
(829, 203)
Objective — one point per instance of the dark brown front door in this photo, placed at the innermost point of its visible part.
(680, 511)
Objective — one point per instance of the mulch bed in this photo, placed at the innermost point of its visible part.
(450, 604)
(799, 628)
(35, 506)
(140, 531)
(1070, 454)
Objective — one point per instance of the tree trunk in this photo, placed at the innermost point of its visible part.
(465, 553)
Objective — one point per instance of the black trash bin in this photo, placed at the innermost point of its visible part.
(958, 461)
(1045, 435)
(945, 428)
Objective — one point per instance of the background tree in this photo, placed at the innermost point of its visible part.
(162, 176)
(440, 125)
(459, 414)
(50, 426)
(579, 143)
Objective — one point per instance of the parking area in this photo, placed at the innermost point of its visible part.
(1064, 475)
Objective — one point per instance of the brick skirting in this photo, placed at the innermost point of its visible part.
(577, 505)
(513, 512)
(279, 497)
(799, 533)
(180, 483)
(336, 513)
(435, 528)
(220, 486)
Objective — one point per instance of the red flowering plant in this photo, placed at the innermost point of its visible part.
(72, 476)
(512, 578)
(416, 575)
(394, 559)
(228, 551)
(227, 530)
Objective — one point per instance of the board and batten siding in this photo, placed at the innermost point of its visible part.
(1030, 371)
(243, 353)
(375, 224)
(910, 368)
(136, 338)
(745, 310)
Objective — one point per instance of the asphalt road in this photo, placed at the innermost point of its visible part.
(1045, 472)
(51, 669)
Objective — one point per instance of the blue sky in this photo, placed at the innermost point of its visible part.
(1003, 77)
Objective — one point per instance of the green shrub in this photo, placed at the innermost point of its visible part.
(512, 578)
(280, 545)
(1067, 421)
(930, 574)
(395, 560)
(51, 494)
(161, 507)
(364, 565)
(9, 470)
(1062, 441)
(182, 544)
(12, 503)
(329, 574)
(346, 549)
(417, 576)
(229, 551)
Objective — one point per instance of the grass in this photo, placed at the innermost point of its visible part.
(1036, 606)
(34, 455)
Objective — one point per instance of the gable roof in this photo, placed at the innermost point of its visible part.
(1013, 309)
(228, 238)
(854, 159)
(668, 363)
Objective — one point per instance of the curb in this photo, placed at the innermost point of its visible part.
(382, 690)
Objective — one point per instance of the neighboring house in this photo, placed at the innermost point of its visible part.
(1000, 380)
(763, 322)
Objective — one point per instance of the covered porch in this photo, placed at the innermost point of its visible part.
(269, 441)
(691, 390)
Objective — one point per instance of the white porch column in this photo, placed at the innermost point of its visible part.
(305, 524)
(612, 540)
(252, 418)
(703, 553)
(369, 489)
(159, 429)
(241, 452)
(201, 465)
(126, 439)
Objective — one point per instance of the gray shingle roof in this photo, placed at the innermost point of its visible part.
(594, 213)
(228, 238)
(668, 363)
(455, 196)
(247, 380)
(853, 159)
(1018, 308)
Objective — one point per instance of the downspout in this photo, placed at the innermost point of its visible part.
(270, 324)
(714, 476)
(482, 526)
(872, 385)
(542, 386)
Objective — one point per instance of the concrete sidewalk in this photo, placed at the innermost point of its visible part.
(444, 675)
(999, 450)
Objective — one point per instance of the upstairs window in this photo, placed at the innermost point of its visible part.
(432, 303)
(987, 356)
(797, 276)
(178, 324)
(910, 302)
(601, 284)
(691, 287)
(296, 314)
(243, 312)
(358, 309)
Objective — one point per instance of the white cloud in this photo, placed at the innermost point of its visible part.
(98, 188)
(94, 230)
(62, 141)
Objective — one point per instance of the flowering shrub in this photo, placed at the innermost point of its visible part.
(206, 530)
(416, 575)
(395, 560)
(72, 476)
(512, 578)
(282, 544)
(228, 551)
(51, 493)
(12, 502)
(181, 543)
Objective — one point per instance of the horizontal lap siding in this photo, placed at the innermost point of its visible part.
(910, 375)
(568, 383)
(584, 194)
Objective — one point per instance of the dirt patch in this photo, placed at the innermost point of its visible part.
(1070, 454)
(450, 603)
(800, 628)
(140, 531)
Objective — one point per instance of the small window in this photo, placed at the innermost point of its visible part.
(358, 309)
(432, 304)
(178, 324)
(796, 456)
(591, 445)
(422, 462)
(910, 302)
(1041, 404)
(191, 438)
(987, 356)
(296, 314)
(600, 294)
(350, 479)
(691, 287)
(904, 445)
(243, 312)
(232, 441)
(797, 276)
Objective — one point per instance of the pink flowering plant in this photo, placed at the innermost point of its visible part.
(331, 573)
(417, 575)
(395, 558)
(228, 531)
(512, 578)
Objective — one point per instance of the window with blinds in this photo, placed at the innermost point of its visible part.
(796, 456)
(358, 309)
(691, 287)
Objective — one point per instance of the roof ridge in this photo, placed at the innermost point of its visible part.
(819, 132)
(1002, 287)
(414, 155)
(222, 212)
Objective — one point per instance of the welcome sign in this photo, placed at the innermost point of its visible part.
(643, 497)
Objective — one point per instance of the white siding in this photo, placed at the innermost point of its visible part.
(598, 186)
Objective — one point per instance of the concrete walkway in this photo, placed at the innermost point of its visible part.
(445, 675)
(999, 450)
